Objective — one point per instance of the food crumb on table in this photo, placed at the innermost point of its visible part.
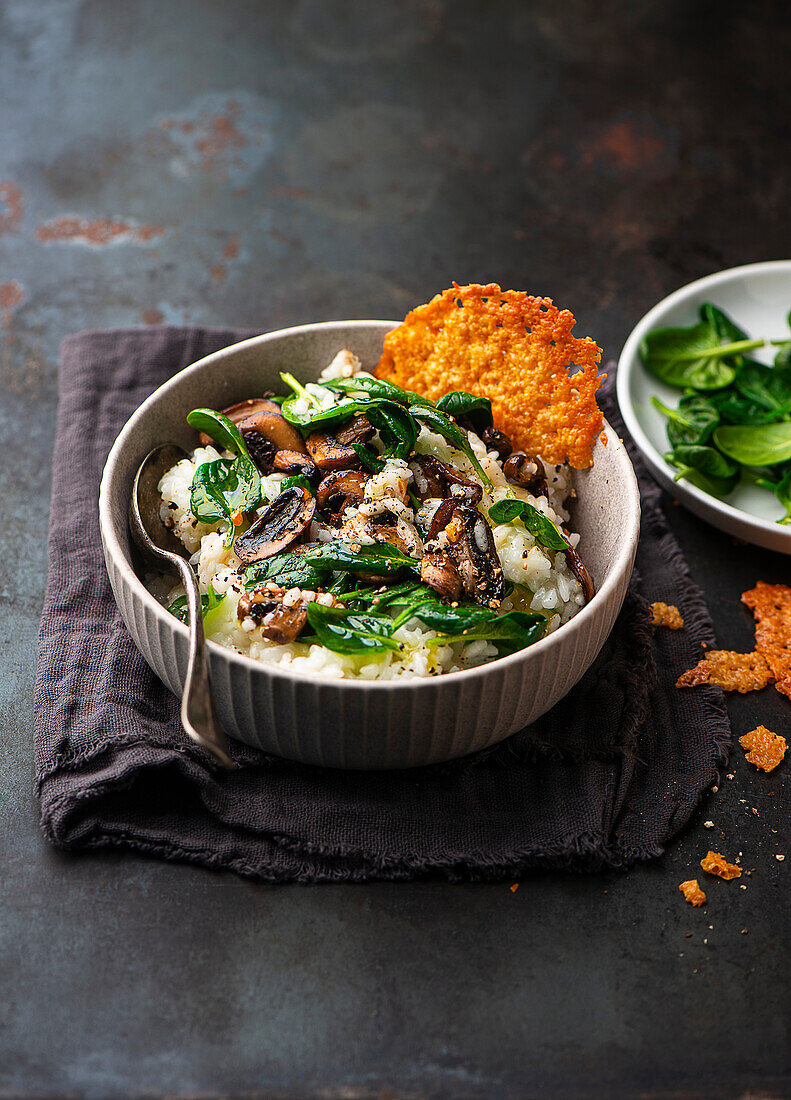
(765, 749)
(715, 864)
(692, 893)
(666, 614)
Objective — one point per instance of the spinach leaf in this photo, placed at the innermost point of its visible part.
(545, 531)
(438, 422)
(220, 428)
(509, 631)
(699, 356)
(692, 422)
(224, 491)
(767, 387)
(371, 462)
(706, 468)
(396, 428)
(736, 409)
(351, 632)
(758, 445)
(377, 387)
(782, 490)
(288, 570)
(783, 356)
(209, 602)
(466, 406)
(380, 560)
(297, 479)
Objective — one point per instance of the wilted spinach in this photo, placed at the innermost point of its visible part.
(380, 560)
(350, 631)
(209, 602)
(544, 530)
(466, 406)
(442, 424)
(223, 490)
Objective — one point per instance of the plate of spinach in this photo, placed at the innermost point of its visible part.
(704, 387)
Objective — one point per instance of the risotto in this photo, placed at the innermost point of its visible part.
(355, 530)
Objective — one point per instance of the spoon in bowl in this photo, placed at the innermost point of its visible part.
(159, 544)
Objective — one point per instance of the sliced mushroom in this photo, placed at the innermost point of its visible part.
(284, 521)
(329, 454)
(470, 543)
(439, 572)
(243, 410)
(294, 463)
(279, 623)
(433, 478)
(359, 430)
(577, 567)
(496, 440)
(527, 472)
(266, 433)
(338, 491)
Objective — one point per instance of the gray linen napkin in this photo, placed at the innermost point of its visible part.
(604, 779)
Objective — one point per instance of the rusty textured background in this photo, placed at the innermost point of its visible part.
(263, 164)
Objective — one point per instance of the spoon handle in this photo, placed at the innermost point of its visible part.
(198, 716)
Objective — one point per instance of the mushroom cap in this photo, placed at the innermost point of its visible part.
(440, 573)
(242, 411)
(339, 490)
(281, 524)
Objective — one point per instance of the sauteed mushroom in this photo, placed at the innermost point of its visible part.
(268, 433)
(359, 430)
(496, 440)
(338, 491)
(281, 621)
(243, 410)
(435, 479)
(471, 546)
(294, 463)
(527, 472)
(577, 567)
(439, 572)
(284, 521)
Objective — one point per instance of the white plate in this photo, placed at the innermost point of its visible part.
(758, 298)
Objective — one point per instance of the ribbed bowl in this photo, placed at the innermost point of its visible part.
(345, 723)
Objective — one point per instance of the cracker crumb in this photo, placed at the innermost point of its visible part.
(514, 887)
(692, 892)
(666, 614)
(765, 748)
(715, 864)
(708, 824)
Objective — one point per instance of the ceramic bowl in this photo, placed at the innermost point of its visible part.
(346, 723)
(757, 297)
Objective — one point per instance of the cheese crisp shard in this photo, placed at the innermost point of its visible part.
(715, 864)
(764, 748)
(740, 672)
(771, 606)
(692, 892)
(513, 348)
(666, 614)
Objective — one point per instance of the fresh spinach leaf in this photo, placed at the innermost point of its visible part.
(380, 560)
(700, 356)
(692, 422)
(466, 406)
(209, 602)
(377, 387)
(706, 468)
(544, 530)
(351, 632)
(509, 631)
(759, 445)
(782, 490)
(438, 422)
(220, 428)
(288, 570)
(224, 491)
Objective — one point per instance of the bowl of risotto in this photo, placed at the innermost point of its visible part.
(387, 580)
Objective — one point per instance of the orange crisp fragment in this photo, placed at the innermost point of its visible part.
(516, 350)
(692, 892)
(666, 614)
(731, 671)
(766, 749)
(715, 864)
(771, 606)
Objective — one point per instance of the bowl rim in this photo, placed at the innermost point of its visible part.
(629, 363)
(621, 563)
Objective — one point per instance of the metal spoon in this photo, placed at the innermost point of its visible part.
(157, 543)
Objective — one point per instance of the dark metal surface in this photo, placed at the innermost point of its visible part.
(263, 164)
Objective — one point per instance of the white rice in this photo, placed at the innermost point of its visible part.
(546, 584)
